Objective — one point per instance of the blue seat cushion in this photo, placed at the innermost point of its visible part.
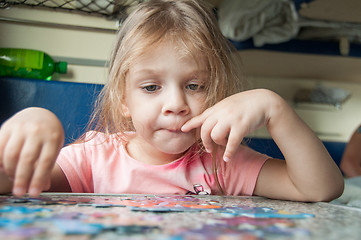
(71, 102)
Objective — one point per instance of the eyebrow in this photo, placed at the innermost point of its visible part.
(195, 72)
(147, 71)
(141, 74)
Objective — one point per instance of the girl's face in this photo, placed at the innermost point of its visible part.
(164, 89)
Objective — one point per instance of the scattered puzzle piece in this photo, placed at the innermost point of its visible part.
(128, 216)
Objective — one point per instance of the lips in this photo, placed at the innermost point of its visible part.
(174, 130)
(173, 126)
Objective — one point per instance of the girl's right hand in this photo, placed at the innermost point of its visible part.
(29, 144)
(230, 120)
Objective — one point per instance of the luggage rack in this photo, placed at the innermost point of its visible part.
(110, 9)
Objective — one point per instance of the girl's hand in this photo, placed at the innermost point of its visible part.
(29, 144)
(230, 120)
(308, 172)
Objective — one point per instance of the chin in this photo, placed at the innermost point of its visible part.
(176, 147)
(176, 152)
(173, 143)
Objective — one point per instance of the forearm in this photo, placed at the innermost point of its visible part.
(309, 166)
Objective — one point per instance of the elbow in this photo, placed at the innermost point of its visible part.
(335, 192)
(329, 193)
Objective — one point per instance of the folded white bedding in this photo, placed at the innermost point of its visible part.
(265, 21)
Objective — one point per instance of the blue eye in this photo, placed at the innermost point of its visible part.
(151, 88)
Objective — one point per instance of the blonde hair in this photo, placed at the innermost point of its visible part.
(189, 23)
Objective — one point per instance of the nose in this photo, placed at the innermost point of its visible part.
(176, 103)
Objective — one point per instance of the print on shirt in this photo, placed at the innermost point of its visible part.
(198, 190)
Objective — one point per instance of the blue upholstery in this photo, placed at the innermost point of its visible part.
(269, 147)
(72, 103)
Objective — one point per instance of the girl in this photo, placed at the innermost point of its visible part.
(170, 120)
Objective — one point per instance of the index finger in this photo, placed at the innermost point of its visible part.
(195, 122)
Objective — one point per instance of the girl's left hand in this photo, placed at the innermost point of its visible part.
(308, 172)
(230, 120)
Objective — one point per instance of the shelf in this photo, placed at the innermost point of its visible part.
(303, 47)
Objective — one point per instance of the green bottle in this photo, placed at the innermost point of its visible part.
(26, 63)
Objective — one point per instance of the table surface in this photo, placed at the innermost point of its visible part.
(90, 216)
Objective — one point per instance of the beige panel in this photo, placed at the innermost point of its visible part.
(333, 10)
(330, 124)
(289, 65)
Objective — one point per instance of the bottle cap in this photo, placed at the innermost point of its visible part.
(61, 67)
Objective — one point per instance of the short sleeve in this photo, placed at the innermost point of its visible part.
(241, 173)
(74, 163)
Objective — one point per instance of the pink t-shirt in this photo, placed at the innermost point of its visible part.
(102, 165)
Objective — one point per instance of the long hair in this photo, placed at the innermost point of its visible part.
(191, 25)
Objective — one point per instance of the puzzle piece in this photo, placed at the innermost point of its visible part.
(245, 228)
(75, 227)
(235, 222)
(22, 209)
(261, 212)
(21, 233)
